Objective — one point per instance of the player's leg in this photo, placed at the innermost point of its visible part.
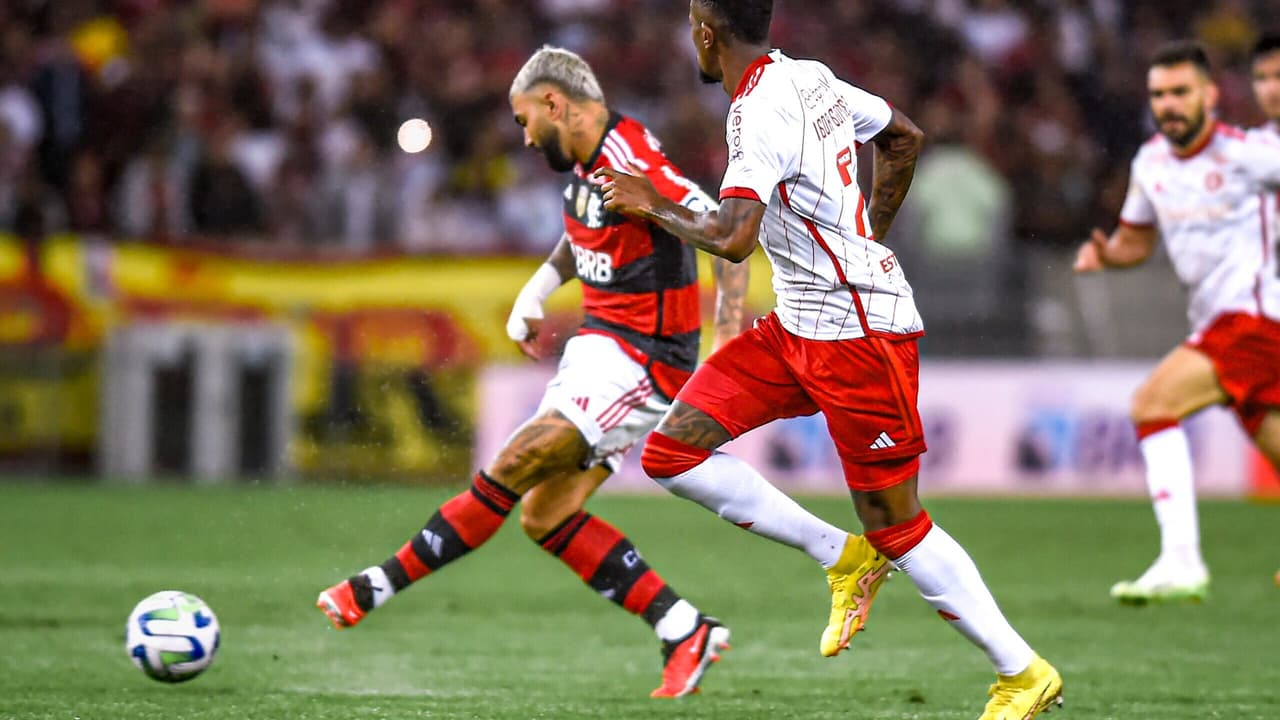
(551, 515)
(877, 430)
(742, 386)
(1184, 382)
(1266, 436)
(899, 527)
(547, 445)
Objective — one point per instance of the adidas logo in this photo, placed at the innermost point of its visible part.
(580, 402)
(434, 541)
(882, 442)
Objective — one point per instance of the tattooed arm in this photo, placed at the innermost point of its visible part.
(731, 293)
(730, 232)
(897, 147)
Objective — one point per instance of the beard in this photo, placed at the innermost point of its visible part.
(707, 78)
(1194, 125)
(553, 151)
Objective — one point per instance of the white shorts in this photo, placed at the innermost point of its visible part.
(607, 395)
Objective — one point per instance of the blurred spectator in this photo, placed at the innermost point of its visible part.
(222, 200)
(276, 119)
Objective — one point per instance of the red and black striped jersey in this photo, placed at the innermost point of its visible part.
(639, 282)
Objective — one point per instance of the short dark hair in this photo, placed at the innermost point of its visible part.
(1181, 51)
(1267, 44)
(746, 20)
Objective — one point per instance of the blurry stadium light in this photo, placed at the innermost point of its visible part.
(414, 135)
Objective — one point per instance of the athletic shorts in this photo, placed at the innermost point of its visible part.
(607, 395)
(865, 387)
(1245, 350)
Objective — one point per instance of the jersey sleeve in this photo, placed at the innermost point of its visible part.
(762, 145)
(1137, 211)
(871, 113)
(1262, 159)
(673, 185)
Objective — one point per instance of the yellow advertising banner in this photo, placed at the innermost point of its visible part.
(386, 347)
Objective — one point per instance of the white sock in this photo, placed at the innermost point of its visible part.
(382, 589)
(949, 581)
(1173, 495)
(736, 492)
(677, 623)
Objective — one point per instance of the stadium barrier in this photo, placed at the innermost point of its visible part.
(993, 427)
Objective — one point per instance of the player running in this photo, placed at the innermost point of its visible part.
(1209, 191)
(842, 340)
(635, 350)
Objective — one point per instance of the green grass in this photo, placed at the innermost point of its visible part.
(508, 633)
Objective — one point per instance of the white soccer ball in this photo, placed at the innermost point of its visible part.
(172, 636)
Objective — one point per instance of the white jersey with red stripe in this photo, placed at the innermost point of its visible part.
(1214, 206)
(793, 131)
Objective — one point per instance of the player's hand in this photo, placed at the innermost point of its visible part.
(628, 192)
(529, 345)
(1089, 256)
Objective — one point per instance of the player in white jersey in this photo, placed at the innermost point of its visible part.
(1209, 191)
(842, 340)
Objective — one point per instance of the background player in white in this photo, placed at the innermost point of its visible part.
(841, 341)
(1209, 191)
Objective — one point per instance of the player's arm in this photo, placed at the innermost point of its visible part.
(730, 232)
(897, 148)
(1133, 241)
(1128, 246)
(731, 294)
(526, 313)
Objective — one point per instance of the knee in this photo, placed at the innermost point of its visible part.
(539, 519)
(665, 457)
(1149, 405)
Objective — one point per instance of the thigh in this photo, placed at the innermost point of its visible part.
(1267, 436)
(606, 395)
(868, 390)
(545, 446)
(745, 384)
(1185, 381)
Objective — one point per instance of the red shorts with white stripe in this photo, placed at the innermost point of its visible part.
(865, 387)
(1245, 350)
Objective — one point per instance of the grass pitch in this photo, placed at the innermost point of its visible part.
(509, 633)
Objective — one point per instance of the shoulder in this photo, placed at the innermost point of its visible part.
(631, 142)
(1152, 152)
(1268, 134)
(1230, 132)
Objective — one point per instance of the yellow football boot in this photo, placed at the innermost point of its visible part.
(1025, 695)
(854, 581)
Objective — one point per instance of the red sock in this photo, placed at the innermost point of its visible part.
(897, 540)
(461, 525)
(607, 561)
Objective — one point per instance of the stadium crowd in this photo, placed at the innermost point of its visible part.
(275, 120)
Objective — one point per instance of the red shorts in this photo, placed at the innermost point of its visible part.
(1245, 351)
(865, 387)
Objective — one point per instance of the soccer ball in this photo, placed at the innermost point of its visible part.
(171, 636)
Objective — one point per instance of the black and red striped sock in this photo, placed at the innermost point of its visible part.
(607, 561)
(461, 525)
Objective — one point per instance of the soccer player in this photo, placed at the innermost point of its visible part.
(616, 378)
(1208, 190)
(842, 340)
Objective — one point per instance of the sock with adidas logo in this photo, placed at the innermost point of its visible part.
(461, 525)
(607, 561)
